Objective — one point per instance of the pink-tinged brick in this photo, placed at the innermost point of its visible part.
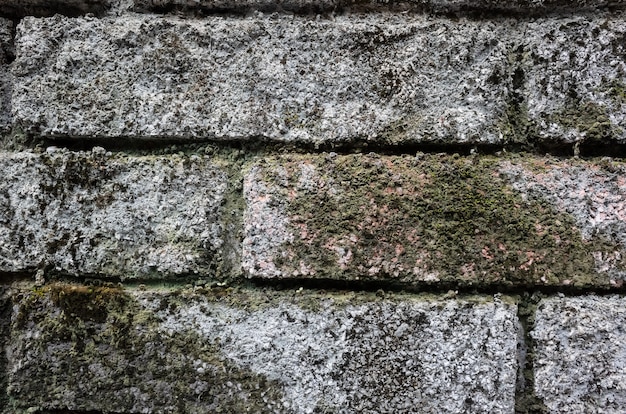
(436, 219)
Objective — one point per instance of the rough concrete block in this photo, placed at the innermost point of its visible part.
(235, 351)
(379, 77)
(572, 70)
(20, 8)
(384, 78)
(534, 7)
(97, 214)
(436, 218)
(580, 356)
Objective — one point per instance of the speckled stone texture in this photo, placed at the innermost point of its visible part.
(385, 78)
(80, 348)
(580, 354)
(6, 55)
(534, 7)
(97, 214)
(573, 71)
(380, 77)
(519, 220)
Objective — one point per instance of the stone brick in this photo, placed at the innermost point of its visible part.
(519, 220)
(264, 77)
(384, 78)
(20, 8)
(98, 214)
(580, 357)
(572, 72)
(233, 351)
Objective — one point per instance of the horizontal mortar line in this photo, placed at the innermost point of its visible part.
(432, 287)
(262, 145)
(468, 11)
(434, 10)
(331, 285)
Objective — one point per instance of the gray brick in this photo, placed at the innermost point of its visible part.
(278, 77)
(580, 356)
(79, 348)
(98, 214)
(386, 78)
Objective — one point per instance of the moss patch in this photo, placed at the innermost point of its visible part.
(98, 347)
(437, 218)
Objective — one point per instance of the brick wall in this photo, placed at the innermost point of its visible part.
(312, 206)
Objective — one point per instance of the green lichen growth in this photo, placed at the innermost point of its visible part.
(590, 119)
(437, 218)
(99, 345)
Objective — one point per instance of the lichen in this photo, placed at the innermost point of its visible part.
(434, 218)
(88, 338)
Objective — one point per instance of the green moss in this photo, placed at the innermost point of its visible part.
(99, 339)
(452, 217)
(590, 119)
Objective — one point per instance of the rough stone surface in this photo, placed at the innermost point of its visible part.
(377, 77)
(385, 78)
(98, 214)
(535, 7)
(580, 357)
(80, 348)
(6, 55)
(573, 72)
(518, 220)
(19, 8)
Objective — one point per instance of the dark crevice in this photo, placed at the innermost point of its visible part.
(60, 411)
(14, 10)
(325, 284)
(526, 402)
(610, 148)
(468, 10)
(434, 288)
(10, 277)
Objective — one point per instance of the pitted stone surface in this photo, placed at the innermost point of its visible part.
(384, 78)
(573, 74)
(518, 220)
(249, 351)
(379, 77)
(580, 356)
(97, 214)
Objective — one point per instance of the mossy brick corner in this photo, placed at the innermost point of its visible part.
(312, 206)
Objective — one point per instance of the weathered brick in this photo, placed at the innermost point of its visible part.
(19, 8)
(234, 351)
(278, 77)
(384, 78)
(99, 214)
(520, 220)
(579, 355)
